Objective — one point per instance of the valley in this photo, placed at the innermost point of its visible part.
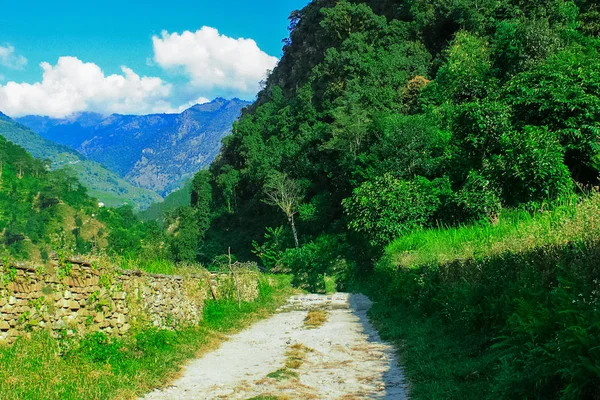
(408, 207)
(153, 152)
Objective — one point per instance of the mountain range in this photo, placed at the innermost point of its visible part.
(155, 152)
(102, 184)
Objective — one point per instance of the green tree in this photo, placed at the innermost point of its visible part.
(387, 207)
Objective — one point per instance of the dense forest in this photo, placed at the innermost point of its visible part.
(384, 117)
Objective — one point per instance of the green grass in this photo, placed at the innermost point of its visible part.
(438, 363)
(495, 311)
(282, 374)
(515, 231)
(97, 367)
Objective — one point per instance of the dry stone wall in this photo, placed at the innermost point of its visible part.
(74, 297)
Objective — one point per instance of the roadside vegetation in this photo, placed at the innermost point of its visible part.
(443, 156)
(101, 367)
(504, 311)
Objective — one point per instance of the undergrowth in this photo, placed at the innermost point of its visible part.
(498, 311)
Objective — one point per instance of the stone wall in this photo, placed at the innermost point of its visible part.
(74, 297)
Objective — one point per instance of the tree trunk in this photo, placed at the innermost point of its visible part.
(291, 219)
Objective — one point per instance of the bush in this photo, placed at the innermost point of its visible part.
(386, 207)
(479, 198)
(97, 347)
(314, 261)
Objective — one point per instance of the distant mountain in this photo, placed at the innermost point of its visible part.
(102, 184)
(157, 152)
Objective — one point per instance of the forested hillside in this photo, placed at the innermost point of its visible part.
(387, 116)
(157, 152)
(45, 212)
(40, 209)
(434, 124)
(102, 184)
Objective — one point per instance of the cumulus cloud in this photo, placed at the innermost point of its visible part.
(9, 59)
(72, 85)
(212, 60)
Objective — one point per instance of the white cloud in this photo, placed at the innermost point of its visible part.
(183, 107)
(212, 60)
(9, 59)
(72, 85)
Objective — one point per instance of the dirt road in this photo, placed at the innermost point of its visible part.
(283, 358)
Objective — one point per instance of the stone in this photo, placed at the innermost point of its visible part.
(73, 305)
(4, 326)
(59, 324)
(124, 329)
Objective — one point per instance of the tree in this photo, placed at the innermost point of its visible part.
(227, 182)
(387, 207)
(286, 194)
(201, 201)
(351, 122)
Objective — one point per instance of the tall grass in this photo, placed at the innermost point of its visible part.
(99, 367)
(509, 310)
(515, 231)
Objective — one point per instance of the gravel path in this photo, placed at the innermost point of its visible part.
(342, 359)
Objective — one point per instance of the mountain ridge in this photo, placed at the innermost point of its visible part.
(101, 183)
(158, 152)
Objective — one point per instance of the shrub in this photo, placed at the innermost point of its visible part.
(386, 207)
(314, 261)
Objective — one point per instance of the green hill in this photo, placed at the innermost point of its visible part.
(40, 210)
(104, 185)
(410, 141)
(158, 211)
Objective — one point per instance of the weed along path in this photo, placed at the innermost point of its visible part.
(316, 347)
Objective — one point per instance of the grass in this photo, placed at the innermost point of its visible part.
(448, 297)
(438, 364)
(315, 319)
(515, 231)
(295, 357)
(97, 367)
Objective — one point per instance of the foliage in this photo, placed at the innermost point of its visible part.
(388, 207)
(271, 250)
(537, 323)
(311, 263)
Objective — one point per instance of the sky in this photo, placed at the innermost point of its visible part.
(135, 57)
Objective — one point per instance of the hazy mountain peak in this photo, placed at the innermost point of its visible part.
(157, 152)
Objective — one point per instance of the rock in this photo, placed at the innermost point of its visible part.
(73, 305)
(59, 325)
(4, 326)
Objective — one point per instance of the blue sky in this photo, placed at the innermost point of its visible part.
(112, 34)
